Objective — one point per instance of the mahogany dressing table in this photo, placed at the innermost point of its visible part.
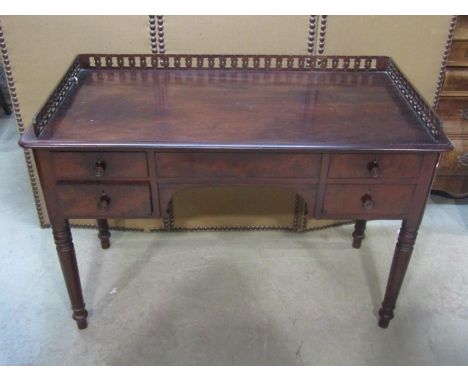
(121, 134)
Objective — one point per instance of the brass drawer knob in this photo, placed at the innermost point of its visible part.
(374, 169)
(99, 168)
(367, 201)
(104, 202)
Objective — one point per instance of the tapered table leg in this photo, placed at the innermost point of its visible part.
(67, 257)
(359, 233)
(401, 258)
(104, 234)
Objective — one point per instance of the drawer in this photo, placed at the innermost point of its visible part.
(369, 166)
(240, 165)
(454, 185)
(104, 199)
(379, 201)
(455, 162)
(454, 114)
(99, 165)
(456, 80)
(458, 53)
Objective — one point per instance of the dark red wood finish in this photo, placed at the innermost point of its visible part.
(123, 140)
(99, 165)
(113, 199)
(373, 166)
(235, 165)
(359, 233)
(366, 200)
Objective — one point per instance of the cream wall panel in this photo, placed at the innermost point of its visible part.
(415, 42)
(239, 206)
(236, 34)
(42, 47)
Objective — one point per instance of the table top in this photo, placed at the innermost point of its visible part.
(238, 108)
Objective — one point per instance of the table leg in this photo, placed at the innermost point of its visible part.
(359, 233)
(104, 234)
(401, 258)
(67, 257)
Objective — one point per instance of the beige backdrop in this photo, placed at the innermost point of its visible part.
(41, 48)
(415, 42)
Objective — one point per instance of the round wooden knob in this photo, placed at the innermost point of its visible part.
(374, 169)
(104, 202)
(367, 202)
(99, 168)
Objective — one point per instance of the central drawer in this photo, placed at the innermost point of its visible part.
(237, 165)
(374, 166)
(104, 199)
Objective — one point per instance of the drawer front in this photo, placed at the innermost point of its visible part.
(458, 53)
(244, 165)
(454, 113)
(454, 185)
(456, 80)
(368, 166)
(455, 162)
(104, 200)
(99, 165)
(377, 201)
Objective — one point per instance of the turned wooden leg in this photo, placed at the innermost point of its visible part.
(67, 257)
(104, 234)
(358, 234)
(401, 258)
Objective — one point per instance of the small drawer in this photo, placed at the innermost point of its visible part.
(456, 80)
(377, 201)
(458, 53)
(130, 200)
(239, 165)
(99, 165)
(369, 166)
(454, 112)
(455, 162)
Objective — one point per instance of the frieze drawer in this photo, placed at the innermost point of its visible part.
(371, 166)
(246, 165)
(99, 165)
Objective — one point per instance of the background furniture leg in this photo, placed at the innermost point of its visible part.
(359, 233)
(4, 103)
(104, 234)
(67, 257)
(401, 258)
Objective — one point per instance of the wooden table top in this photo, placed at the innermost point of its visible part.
(236, 109)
